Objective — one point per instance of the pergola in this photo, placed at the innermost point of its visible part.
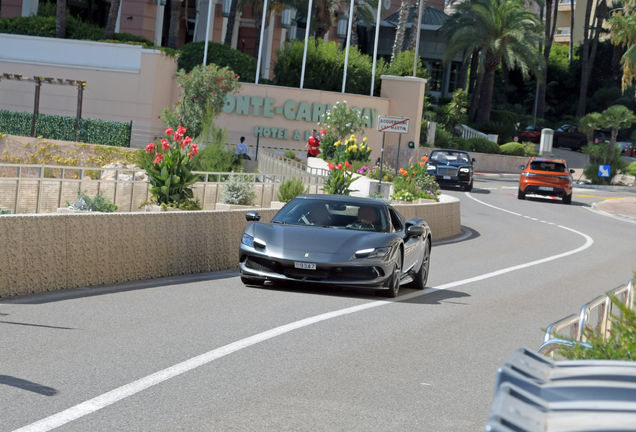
(81, 85)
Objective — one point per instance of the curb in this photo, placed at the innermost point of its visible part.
(594, 208)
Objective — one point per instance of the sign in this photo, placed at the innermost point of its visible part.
(393, 124)
(603, 170)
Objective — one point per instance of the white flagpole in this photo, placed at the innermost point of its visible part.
(260, 44)
(375, 45)
(207, 33)
(344, 78)
(302, 73)
(417, 41)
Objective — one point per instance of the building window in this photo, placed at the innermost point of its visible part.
(453, 77)
(437, 77)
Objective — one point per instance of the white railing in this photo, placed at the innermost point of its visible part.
(468, 132)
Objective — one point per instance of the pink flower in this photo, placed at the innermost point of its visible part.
(339, 166)
(150, 148)
(331, 166)
(169, 131)
(158, 159)
(187, 140)
(347, 164)
(195, 148)
(164, 145)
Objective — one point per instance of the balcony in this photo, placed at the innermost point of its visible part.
(562, 35)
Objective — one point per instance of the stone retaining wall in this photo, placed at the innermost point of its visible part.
(52, 252)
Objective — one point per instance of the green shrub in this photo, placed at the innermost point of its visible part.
(602, 154)
(504, 131)
(290, 189)
(97, 203)
(513, 149)
(290, 154)
(238, 191)
(631, 169)
(481, 145)
(191, 55)
(49, 126)
(507, 117)
(620, 346)
(76, 29)
(447, 140)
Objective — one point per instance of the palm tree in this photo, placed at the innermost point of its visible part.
(505, 31)
(112, 19)
(623, 34)
(589, 124)
(230, 22)
(617, 117)
(398, 43)
(175, 23)
(60, 19)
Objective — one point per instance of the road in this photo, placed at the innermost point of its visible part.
(205, 353)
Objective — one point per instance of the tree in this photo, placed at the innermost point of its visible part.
(505, 31)
(175, 24)
(589, 124)
(551, 7)
(623, 35)
(400, 31)
(112, 19)
(617, 117)
(230, 22)
(60, 19)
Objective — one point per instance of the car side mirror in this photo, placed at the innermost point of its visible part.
(415, 230)
(521, 167)
(474, 160)
(571, 171)
(252, 217)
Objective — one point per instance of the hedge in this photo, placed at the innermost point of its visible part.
(62, 128)
(513, 149)
(481, 145)
(221, 55)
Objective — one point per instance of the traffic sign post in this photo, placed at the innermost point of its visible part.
(386, 124)
(604, 171)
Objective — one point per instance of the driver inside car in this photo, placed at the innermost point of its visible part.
(319, 215)
(368, 217)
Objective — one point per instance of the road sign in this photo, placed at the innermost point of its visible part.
(603, 170)
(393, 124)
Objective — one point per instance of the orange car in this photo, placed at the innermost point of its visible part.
(547, 177)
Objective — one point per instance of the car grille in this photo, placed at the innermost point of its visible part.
(264, 265)
(446, 170)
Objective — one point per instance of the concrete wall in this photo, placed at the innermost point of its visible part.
(52, 252)
(484, 163)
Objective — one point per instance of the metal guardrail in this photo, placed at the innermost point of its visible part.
(577, 324)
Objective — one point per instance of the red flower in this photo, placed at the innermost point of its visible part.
(169, 131)
(150, 148)
(164, 145)
(187, 140)
(331, 166)
(195, 148)
(159, 158)
(347, 164)
(339, 166)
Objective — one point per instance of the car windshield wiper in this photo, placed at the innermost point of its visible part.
(280, 222)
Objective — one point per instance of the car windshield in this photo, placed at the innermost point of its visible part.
(548, 166)
(444, 156)
(333, 214)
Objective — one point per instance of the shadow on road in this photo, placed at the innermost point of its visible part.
(62, 295)
(437, 297)
(36, 325)
(27, 385)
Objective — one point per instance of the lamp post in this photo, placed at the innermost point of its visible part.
(344, 78)
(375, 45)
(302, 73)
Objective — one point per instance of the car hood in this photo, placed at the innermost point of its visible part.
(279, 238)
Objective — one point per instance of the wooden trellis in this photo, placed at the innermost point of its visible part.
(81, 85)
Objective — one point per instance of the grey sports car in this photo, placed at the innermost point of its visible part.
(337, 240)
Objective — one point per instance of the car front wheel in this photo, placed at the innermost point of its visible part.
(469, 187)
(394, 280)
(421, 277)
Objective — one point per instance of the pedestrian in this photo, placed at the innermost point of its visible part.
(241, 150)
(313, 145)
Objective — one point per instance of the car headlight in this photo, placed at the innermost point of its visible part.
(382, 252)
(527, 174)
(430, 167)
(248, 240)
(464, 170)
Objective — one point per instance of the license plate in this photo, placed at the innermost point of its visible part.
(305, 266)
(447, 177)
(546, 188)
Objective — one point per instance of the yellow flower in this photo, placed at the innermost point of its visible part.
(365, 140)
(352, 137)
(336, 144)
(352, 148)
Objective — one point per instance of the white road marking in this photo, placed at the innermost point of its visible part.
(113, 396)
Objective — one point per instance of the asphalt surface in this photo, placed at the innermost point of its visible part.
(205, 353)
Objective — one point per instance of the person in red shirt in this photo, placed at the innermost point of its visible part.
(313, 145)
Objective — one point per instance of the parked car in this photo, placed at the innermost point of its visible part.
(546, 177)
(531, 134)
(569, 136)
(451, 168)
(336, 240)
